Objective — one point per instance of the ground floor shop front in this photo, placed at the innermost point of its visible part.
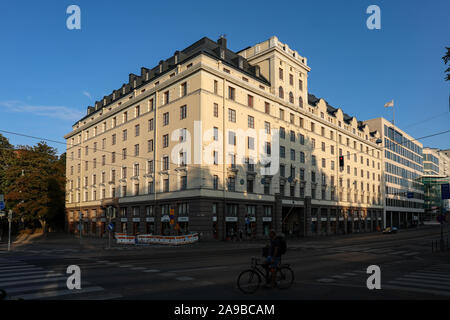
(212, 218)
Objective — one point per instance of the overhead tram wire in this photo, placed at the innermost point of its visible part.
(177, 164)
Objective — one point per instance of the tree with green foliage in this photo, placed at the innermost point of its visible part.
(36, 184)
(446, 59)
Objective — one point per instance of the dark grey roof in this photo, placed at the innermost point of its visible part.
(202, 46)
(313, 100)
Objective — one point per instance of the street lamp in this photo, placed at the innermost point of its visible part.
(383, 182)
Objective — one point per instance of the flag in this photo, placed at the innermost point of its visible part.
(389, 104)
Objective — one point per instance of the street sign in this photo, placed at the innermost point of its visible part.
(2, 205)
(111, 226)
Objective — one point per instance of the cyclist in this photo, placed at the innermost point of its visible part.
(273, 258)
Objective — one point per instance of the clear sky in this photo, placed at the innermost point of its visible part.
(49, 74)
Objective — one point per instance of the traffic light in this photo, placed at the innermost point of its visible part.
(341, 162)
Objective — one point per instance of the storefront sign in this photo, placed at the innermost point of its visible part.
(379, 218)
(267, 219)
(332, 219)
(341, 218)
(165, 219)
(252, 219)
(183, 219)
(369, 218)
(355, 219)
(313, 219)
(323, 219)
(136, 219)
(123, 220)
(151, 219)
(214, 218)
(231, 219)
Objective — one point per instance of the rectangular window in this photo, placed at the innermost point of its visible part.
(124, 153)
(124, 135)
(183, 182)
(216, 86)
(166, 163)
(113, 139)
(231, 115)
(216, 134)
(183, 89)
(232, 138)
(136, 130)
(136, 149)
(267, 107)
(166, 97)
(216, 110)
(166, 185)
(250, 101)
(183, 112)
(251, 122)
(165, 141)
(150, 125)
(165, 119)
(231, 93)
(251, 143)
(150, 145)
(267, 127)
(215, 182)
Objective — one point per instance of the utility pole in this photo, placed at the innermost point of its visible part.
(10, 213)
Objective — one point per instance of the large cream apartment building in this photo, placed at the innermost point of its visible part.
(222, 142)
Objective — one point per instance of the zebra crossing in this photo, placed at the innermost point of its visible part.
(30, 282)
(382, 251)
(433, 280)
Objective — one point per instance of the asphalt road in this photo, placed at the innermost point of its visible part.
(325, 268)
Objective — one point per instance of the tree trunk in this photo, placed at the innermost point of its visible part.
(44, 226)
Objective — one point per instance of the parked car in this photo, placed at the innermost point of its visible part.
(390, 230)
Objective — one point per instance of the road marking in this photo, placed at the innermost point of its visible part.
(436, 274)
(126, 266)
(203, 283)
(405, 288)
(167, 274)
(425, 280)
(339, 277)
(349, 274)
(427, 275)
(326, 280)
(200, 269)
(411, 253)
(108, 296)
(13, 283)
(138, 268)
(16, 267)
(11, 274)
(151, 270)
(49, 274)
(58, 293)
(20, 270)
(184, 278)
(34, 288)
(417, 284)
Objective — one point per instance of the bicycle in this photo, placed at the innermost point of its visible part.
(249, 280)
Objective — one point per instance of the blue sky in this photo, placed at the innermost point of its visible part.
(50, 74)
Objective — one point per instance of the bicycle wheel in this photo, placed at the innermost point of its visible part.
(284, 277)
(248, 281)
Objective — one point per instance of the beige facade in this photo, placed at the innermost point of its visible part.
(190, 135)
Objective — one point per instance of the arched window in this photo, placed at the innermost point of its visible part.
(300, 102)
(280, 92)
(291, 97)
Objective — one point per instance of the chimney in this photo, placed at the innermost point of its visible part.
(240, 62)
(161, 66)
(222, 42)
(176, 57)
